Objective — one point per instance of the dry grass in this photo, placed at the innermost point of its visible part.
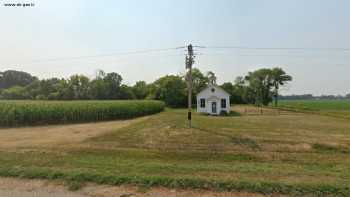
(54, 136)
(297, 150)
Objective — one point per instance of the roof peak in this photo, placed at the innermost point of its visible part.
(213, 85)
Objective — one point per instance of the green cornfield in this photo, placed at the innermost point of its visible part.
(21, 113)
(335, 108)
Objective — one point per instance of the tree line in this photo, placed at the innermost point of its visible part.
(259, 87)
(312, 97)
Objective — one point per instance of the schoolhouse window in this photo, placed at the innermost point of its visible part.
(202, 103)
(213, 90)
(223, 103)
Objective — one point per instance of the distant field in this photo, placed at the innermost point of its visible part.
(295, 154)
(21, 113)
(336, 108)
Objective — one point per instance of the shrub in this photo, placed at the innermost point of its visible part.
(330, 148)
(223, 113)
(19, 113)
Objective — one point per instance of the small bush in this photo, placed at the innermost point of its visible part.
(330, 148)
(245, 142)
(223, 113)
(234, 113)
(74, 185)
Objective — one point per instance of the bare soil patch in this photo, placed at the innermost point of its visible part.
(58, 135)
(11, 187)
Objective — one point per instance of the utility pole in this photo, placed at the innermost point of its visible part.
(189, 63)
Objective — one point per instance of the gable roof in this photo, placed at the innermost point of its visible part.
(213, 86)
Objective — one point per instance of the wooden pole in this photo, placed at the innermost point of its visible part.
(189, 63)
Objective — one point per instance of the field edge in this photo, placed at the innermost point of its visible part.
(262, 187)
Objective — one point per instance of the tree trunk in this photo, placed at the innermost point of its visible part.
(276, 98)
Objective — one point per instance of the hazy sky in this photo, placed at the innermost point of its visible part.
(66, 28)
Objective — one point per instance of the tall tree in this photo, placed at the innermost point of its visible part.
(140, 90)
(279, 78)
(98, 89)
(347, 96)
(125, 92)
(199, 81)
(113, 82)
(211, 77)
(78, 87)
(260, 82)
(12, 78)
(171, 89)
(43, 89)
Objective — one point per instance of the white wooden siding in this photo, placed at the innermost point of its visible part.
(211, 97)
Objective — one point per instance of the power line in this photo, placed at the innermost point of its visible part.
(273, 55)
(181, 47)
(105, 55)
(276, 48)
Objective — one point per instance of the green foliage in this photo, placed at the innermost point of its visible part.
(12, 78)
(15, 92)
(98, 89)
(113, 82)
(140, 90)
(74, 185)
(259, 86)
(279, 78)
(330, 148)
(52, 112)
(223, 113)
(211, 77)
(236, 92)
(171, 89)
(255, 88)
(125, 92)
(77, 87)
(199, 81)
(245, 142)
(260, 81)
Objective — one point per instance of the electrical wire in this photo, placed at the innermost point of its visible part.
(104, 55)
(276, 48)
(182, 47)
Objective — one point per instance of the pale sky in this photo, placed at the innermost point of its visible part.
(71, 28)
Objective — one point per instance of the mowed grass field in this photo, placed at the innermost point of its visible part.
(292, 154)
(337, 108)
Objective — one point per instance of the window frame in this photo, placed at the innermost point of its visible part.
(223, 103)
(202, 102)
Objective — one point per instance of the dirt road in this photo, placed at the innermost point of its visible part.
(10, 187)
(53, 136)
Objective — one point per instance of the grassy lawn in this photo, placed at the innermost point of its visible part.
(336, 108)
(291, 154)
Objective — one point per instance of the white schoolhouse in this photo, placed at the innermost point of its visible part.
(212, 100)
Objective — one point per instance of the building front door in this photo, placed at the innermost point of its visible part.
(213, 107)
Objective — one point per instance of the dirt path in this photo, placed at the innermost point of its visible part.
(10, 187)
(53, 136)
